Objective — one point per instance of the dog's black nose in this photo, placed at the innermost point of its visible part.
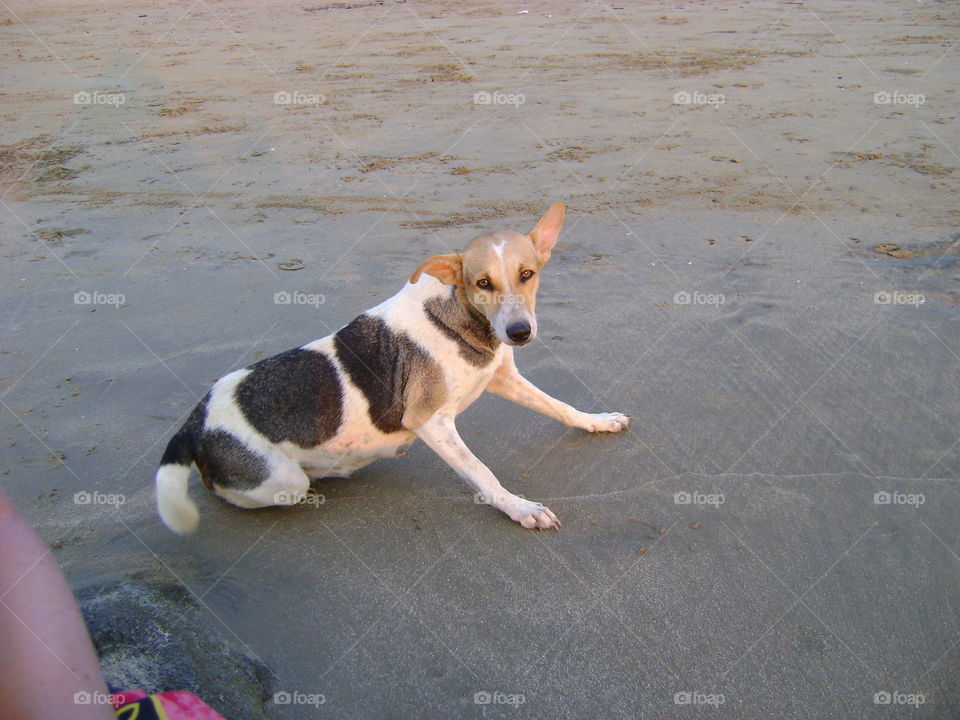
(519, 332)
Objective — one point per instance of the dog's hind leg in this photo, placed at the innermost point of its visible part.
(248, 477)
(287, 484)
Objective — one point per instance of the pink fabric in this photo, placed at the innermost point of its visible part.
(182, 704)
(126, 697)
(178, 704)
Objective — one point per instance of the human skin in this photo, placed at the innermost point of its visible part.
(47, 655)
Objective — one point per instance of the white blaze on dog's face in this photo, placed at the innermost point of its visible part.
(500, 273)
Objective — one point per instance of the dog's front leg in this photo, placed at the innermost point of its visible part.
(440, 435)
(507, 382)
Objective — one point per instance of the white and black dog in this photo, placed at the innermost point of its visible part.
(402, 370)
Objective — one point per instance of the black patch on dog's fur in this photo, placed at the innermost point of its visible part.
(475, 340)
(293, 396)
(182, 449)
(225, 461)
(380, 362)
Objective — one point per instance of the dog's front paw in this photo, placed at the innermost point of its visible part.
(605, 422)
(532, 515)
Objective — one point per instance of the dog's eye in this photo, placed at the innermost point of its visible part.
(484, 284)
(526, 275)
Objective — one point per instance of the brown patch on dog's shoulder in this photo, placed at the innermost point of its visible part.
(425, 392)
(475, 340)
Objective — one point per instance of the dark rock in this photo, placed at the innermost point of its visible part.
(147, 636)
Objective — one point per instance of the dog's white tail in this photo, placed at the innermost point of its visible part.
(177, 510)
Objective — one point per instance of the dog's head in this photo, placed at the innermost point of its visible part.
(499, 273)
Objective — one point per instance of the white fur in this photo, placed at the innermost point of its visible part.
(177, 510)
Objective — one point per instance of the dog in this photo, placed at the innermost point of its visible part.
(400, 371)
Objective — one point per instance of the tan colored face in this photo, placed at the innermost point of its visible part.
(500, 273)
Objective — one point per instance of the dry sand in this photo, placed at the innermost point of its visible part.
(748, 157)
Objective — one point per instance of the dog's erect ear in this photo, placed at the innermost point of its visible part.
(447, 269)
(545, 232)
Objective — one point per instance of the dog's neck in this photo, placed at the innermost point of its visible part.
(460, 321)
(477, 318)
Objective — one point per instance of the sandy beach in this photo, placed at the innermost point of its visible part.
(760, 264)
